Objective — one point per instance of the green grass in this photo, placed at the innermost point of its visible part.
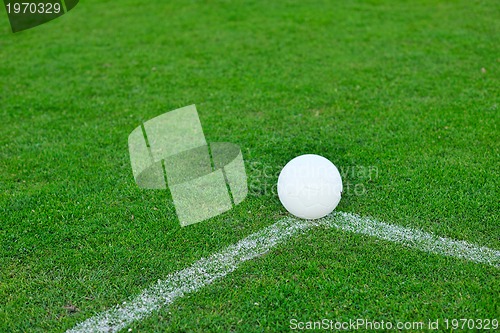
(407, 87)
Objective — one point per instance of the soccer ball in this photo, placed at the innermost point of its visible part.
(310, 186)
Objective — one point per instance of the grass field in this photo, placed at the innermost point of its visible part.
(407, 89)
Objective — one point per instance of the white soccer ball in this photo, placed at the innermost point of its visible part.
(310, 186)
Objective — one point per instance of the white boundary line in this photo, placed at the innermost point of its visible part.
(415, 238)
(207, 270)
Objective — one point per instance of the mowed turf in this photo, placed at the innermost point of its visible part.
(406, 88)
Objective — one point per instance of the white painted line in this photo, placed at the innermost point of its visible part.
(415, 238)
(207, 270)
(198, 275)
